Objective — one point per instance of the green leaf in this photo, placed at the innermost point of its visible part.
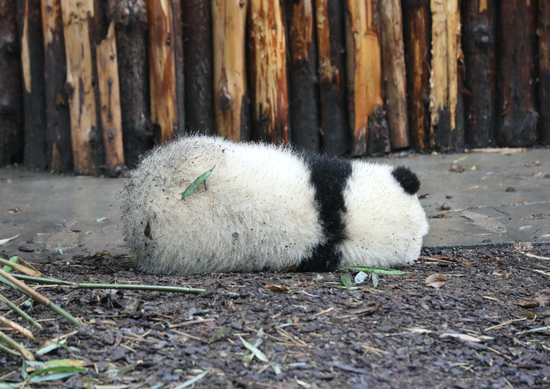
(257, 353)
(192, 381)
(220, 334)
(374, 269)
(196, 183)
(60, 372)
(374, 279)
(7, 268)
(346, 281)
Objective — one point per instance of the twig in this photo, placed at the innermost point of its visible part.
(505, 323)
(85, 285)
(429, 259)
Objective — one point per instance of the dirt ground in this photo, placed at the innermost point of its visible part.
(312, 333)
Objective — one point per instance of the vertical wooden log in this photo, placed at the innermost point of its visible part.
(230, 91)
(365, 78)
(34, 99)
(543, 32)
(417, 34)
(303, 96)
(58, 129)
(198, 66)
(479, 55)
(109, 98)
(80, 84)
(268, 71)
(11, 101)
(177, 42)
(130, 17)
(162, 71)
(444, 132)
(331, 51)
(394, 73)
(517, 125)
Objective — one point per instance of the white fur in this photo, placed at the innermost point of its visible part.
(384, 224)
(258, 211)
(261, 193)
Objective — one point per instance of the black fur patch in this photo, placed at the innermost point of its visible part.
(329, 177)
(407, 179)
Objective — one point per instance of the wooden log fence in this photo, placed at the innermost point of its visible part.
(89, 86)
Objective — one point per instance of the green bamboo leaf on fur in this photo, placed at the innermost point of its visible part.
(202, 178)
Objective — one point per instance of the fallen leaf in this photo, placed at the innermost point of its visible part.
(463, 261)
(444, 207)
(14, 210)
(527, 246)
(456, 168)
(257, 353)
(541, 299)
(436, 280)
(440, 216)
(532, 164)
(277, 288)
(221, 334)
(364, 311)
(510, 189)
(423, 197)
(4, 241)
(528, 303)
(290, 269)
(463, 337)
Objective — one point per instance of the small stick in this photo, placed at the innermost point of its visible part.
(503, 324)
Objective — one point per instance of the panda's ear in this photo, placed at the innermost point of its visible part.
(407, 179)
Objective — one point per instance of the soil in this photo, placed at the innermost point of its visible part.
(313, 334)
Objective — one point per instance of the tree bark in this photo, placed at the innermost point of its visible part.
(331, 51)
(444, 94)
(34, 99)
(11, 100)
(130, 17)
(365, 78)
(162, 69)
(177, 41)
(198, 66)
(84, 127)
(417, 32)
(480, 83)
(543, 32)
(517, 115)
(58, 128)
(109, 97)
(303, 96)
(231, 103)
(268, 71)
(394, 72)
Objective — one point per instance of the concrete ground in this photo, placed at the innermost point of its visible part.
(501, 196)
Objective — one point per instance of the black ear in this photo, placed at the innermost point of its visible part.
(407, 179)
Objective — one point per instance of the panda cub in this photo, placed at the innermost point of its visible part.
(266, 208)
